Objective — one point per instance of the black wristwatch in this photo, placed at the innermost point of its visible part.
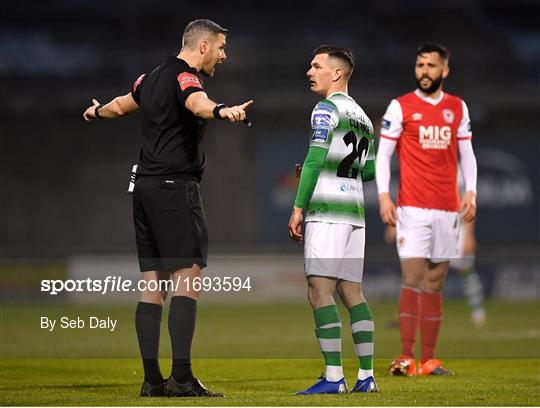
(217, 108)
(96, 111)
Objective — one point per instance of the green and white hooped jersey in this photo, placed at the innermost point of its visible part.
(340, 125)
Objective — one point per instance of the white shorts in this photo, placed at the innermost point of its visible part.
(462, 261)
(334, 250)
(426, 233)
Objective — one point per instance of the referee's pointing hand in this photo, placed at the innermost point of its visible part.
(235, 113)
(90, 113)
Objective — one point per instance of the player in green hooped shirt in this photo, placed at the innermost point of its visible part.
(341, 155)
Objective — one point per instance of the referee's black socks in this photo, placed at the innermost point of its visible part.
(181, 328)
(148, 325)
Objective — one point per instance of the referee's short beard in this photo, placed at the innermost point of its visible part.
(206, 68)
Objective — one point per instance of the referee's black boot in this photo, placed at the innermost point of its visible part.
(192, 388)
(149, 390)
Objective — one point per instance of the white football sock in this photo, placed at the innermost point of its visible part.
(334, 373)
(363, 374)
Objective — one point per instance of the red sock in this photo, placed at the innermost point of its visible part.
(430, 322)
(408, 319)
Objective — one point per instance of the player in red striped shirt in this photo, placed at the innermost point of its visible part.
(429, 128)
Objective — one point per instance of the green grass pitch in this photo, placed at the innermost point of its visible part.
(260, 354)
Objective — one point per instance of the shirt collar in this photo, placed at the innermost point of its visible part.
(428, 99)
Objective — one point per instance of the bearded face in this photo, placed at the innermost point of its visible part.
(429, 85)
(430, 71)
(215, 54)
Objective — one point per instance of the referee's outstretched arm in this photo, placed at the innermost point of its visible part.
(205, 108)
(118, 107)
(198, 103)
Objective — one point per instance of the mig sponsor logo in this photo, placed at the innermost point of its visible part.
(434, 137)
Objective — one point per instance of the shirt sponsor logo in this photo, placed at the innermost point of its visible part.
(321, 119)
(417, 116)
(347, 187)
(187, 80)
(434, 137)
(448, 115)
(319, 135)
(385, 124)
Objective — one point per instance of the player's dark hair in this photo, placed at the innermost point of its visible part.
(343, 54)
(198, 27)
(434, 47)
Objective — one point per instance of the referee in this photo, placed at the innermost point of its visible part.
(168, 213)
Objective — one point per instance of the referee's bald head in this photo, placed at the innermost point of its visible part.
(199, 30)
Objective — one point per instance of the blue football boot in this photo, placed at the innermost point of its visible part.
(367, 385)
(323, 386)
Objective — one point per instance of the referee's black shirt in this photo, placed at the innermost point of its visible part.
(171, 134)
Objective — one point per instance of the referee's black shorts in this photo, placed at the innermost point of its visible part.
(170, 227)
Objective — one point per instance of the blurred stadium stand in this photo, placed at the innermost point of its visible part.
(64, 180)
